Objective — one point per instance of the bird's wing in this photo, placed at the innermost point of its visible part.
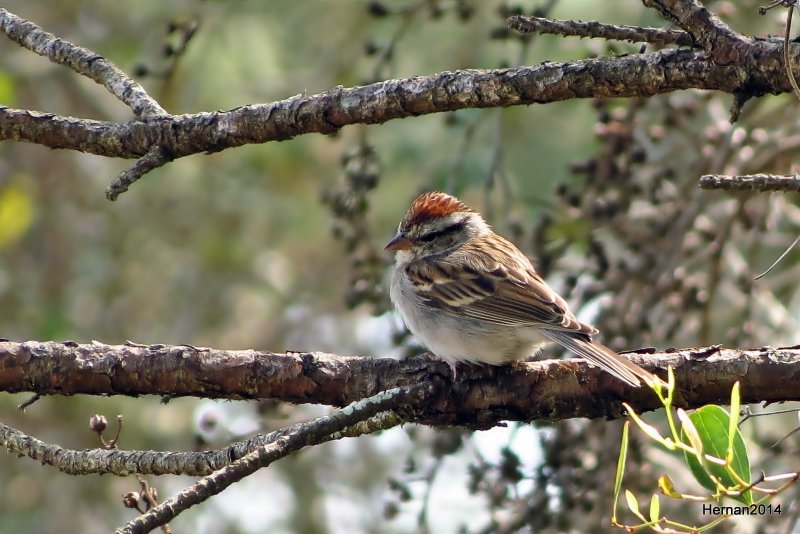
(503, 288)
(488, 279)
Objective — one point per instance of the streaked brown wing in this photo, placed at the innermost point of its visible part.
(501, 288)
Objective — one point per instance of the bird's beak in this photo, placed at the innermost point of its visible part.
(398, 242)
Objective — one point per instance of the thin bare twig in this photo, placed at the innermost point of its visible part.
(84, 62)
(155, 158)
(786, 57)
(789, 74)
(780, 258)
(783, 438)
(28, 403)
(593, 29)
(150, 496)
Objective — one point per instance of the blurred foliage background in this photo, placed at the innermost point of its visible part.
(280, 247)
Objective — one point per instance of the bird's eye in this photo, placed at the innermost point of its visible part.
(430, 236)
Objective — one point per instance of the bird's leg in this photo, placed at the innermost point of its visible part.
(452, 364)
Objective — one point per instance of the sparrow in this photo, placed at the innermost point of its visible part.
(468, 294)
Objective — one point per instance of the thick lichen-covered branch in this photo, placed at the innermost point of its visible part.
(729, 62)
(182, 135)
(480, 397)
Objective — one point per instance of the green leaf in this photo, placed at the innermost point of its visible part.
(712, 425)
(633, 505)
(655, 509)
(689, 431)
(623, 455)
(670, 386)
(733, 424)
(650, 430)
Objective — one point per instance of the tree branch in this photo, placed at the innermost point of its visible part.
(155, 157)
(737, 65)
(574, 28)
(751, 182)
(480, 398)
(82, 61)
(717, 38)
(125, 462)
(621, 76)
(289, 440)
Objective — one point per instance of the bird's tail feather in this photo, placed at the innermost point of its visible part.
(603, 357)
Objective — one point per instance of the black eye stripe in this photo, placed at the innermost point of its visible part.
(430, 236)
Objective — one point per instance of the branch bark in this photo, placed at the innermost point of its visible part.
(592, 29)
(751, 182)
(328, 112)
(480, 398)
(724, 44)
(730, 62)
(82, 61)
(286, 442)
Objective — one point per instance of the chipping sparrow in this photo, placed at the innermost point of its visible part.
(468, 294)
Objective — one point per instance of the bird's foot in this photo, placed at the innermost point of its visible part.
(452, 365)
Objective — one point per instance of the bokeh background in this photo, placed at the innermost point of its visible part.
(279, 246)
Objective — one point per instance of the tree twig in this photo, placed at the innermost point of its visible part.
(725, 46)
(83, 61)
(574, 28)
(751, 182)
(780, 258)
(155, 158)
